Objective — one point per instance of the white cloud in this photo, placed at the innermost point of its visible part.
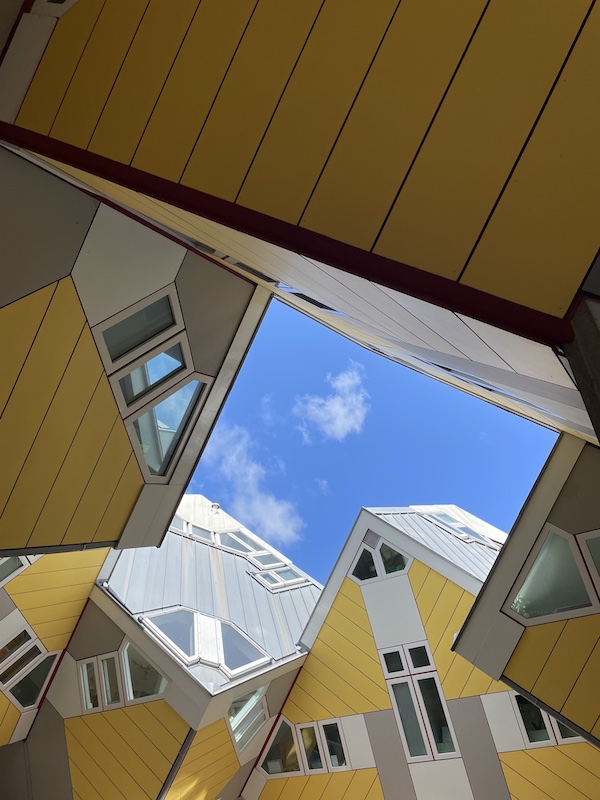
(338, 414)
(323, 485)
(273, 519)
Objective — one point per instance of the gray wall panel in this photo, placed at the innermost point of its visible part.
(278, 691)
(477, 749)
(47, 752)
(13, 768)
(95, 634)
(576, 509)
(213, 302)
(236, 784)
(6, 604)
(43, 222)
(390, 759)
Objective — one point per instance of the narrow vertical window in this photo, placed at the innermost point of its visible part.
(333, 741)
(533, 721)
(110, 681)
(442, 738)
(312, 751)
(409, 720)
(89, 685)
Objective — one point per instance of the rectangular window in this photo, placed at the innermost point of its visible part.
(15, 644)
(19, 664)
(88, 676)
(435, 715)
(127, 335)
(333, 744)
(111, 681)
(539, 729)
(311, 748)
(151, 373)
(414, 739)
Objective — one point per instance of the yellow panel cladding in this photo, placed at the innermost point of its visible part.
(124, 754)
(9, 716)
(481, 126)
(393, 109)
(52, 592)
(209, 764)
(342, 674)
(569, 772)
(543, 235)
(70, 476)
(360, 784)
(443, 607)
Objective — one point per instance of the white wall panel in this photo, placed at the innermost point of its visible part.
(358, 743)
(503, 723)
(393, 612)
(254, 786)
(441, 780)
(64, 689)
(23, 725)
(122, 261)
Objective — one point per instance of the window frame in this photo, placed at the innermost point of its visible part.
(98, 330)
(321, 744)
(14, 656)
(260, 701)
(586, 577)
(555, 738)
(25, 562)
(581, 539)
(7, 687)
(127, 701)
(159, 389)
(260, 550)
(330, 767)
(281, 583)
(268, 745)
(381, 574)
(428, 756)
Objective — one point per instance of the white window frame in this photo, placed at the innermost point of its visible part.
(420, 717)
(330, 767)
(33, 640)
(83, 689)
(149, 477)
(455, 527)
(259, 701)
(381, 574)
(582, 539)
(555, 737)
(164, 640)
(267, 747)
(160, 388)
(126, 677)
(251, 666)
(134, 355)
(259, 550)
(25, 671)
(25, 562)
(436, 756)
(103, 690)
(321, 745)
(281, 584)
(384, 666)
(584, 572)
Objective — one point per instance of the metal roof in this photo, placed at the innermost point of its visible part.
(205, 576)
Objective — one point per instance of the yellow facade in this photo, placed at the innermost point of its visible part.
(558, 773)
(209, 764)
(71, 477)
(484, 144)
(123, 754)
(9, 716)
(357, 785)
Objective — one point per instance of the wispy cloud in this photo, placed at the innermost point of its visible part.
(230, 452)
(323, 485)
(337, 414)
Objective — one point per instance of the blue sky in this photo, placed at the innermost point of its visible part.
(316, 427)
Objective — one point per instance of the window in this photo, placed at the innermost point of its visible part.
(193, 637)
(420, 708)
(152, 372)
(247, 715)
(117, 679)
(378, 562)
(539, 729)
(556, 582)
(462, 530)
(320, 744)
(280, 578)
(25, 667)
(137, 328)
(282, 756)
(243, 543)
(11, 566)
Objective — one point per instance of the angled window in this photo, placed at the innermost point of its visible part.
(553, 583)
(179, 627)
(393, 662)
(28, 689)
(247, 545)
(462, 530)
(110, 681)
(18, 664)
(311, 748)
(247, 715)
(200, 533)
(14, 645)
(178, 523)
(142, 679)
(334, 747)
(392, 560)
(364, 568)
(154, 371)
(137, 328)
(10, 566)
(436, 718)
(539, 729)
(100, 683)
(282, 755)
(280, 578)
(238, 653)
(589, 544)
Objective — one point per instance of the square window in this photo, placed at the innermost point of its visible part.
(419, 656)
(393, 662)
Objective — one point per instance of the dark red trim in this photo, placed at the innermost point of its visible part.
(444, 292)
(25, 9)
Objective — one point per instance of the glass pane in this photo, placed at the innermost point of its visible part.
(252, 544)
(27, 690)
(178, 626)
(151, 373)
(419, 656)
(282, 755)
(237, 650)
(554, 583)
(18, 665)
(178, 523)
(533, 721)
(245, 711)
(365, 567)
(201, 533)
(229, 541)
(8, 566)
(311, 748)
(393, 661)
(566, 733)
(270, 579)
(437, 718)
(138, 328)
(392, 560)
(267, 560)
(111, 681)
(160, 429)
(593, 546)
(288, 574)
(90, 688)
(251, 726)
(143, 680)
(334, 744)
(409, 720)
(14, 644)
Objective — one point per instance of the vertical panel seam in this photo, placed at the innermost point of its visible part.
(90, 756)
(429, 127)
(526, 142)
(579, 674)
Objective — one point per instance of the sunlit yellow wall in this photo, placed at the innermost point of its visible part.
(123, 754)
(557, 773)
(342, 674)
(360, 784)
(210, 763)
(443, 607)
(52, 592)
(377, 124)
(68, 473)
(9, 716)
(559, 663)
